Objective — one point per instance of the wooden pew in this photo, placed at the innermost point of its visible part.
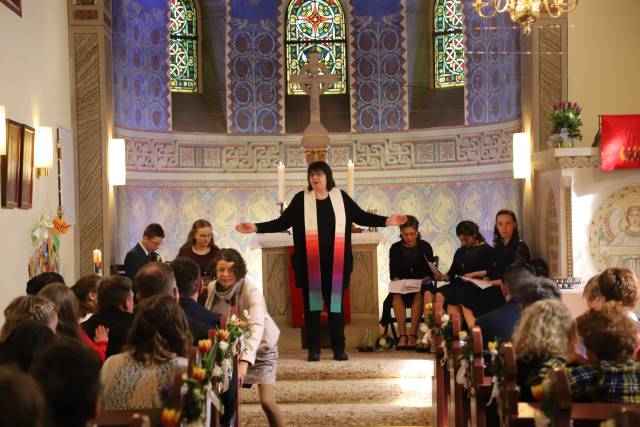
(567, 413)
(440, 394)
(481, 385)
(458, 404)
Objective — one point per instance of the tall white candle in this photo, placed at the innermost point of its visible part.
(350, 169)
(280, 183)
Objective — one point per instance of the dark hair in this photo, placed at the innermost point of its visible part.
(155, 278)
(82, 288)
(69, 376)
(231, 255)
(191, 238)
(26, 307)
(619, 284)
(469, 228)
(27, 340)
(324, 168)
(411, 222)
(187, 273)
(113, 291)
(159, 331)
(66, 307)
(153, 230)
(41, 280)
(540, 266)
(515, 275)
(497, 239)
(22, 404)
(609, 333)
(536, 288)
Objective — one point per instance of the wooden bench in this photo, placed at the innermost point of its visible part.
(458, 404)
(480, 391)
(440, 394)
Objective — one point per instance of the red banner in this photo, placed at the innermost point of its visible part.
(620, 142)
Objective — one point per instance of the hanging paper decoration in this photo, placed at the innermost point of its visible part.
(46, 255)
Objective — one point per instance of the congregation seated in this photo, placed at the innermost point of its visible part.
(26, 406)
(613, 284)
(157, 348)
(28, 307)
(189, 284)
(36, 283)
(538, 288)
(68, 374)
(69, 318)
(544, 338)
(610, 340)
(86, 290)
(115, 308)
(28, 339)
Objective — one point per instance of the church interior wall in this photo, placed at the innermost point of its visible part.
(604, 60)
(35, 89)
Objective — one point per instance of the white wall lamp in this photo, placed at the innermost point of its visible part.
(117, 162)
(521, 155)
(43, 150)
(3, 131)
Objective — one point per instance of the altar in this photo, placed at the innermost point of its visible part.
(363, 290)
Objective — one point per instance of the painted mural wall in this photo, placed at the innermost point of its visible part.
(439, 203)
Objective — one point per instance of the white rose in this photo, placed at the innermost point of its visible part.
(233, 318)
(424, 328)
(245, 313)
(217, 372)
(223, 346)
(445, 319)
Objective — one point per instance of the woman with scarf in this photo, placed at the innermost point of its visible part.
(259, 353)
(321, 218)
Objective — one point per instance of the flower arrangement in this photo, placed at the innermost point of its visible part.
(566, 120)
(463, 376)
(210, 377)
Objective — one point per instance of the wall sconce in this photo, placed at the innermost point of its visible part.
(3, 131)
(521, 155)
(117, 162)
(43, 150)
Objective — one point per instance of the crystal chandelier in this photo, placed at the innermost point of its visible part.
(524, 12)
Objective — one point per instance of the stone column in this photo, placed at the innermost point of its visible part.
(90, 64)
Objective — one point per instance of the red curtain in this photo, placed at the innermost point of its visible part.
(620, 142)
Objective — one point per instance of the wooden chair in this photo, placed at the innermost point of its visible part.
(458, 404)
(441, 384)
(481, 385)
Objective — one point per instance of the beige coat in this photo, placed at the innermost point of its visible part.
(264, 332)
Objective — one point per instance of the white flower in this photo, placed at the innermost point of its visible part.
(382, 342)
(223, 346)
(424, 328)
(217, 371)
(245, 313)
(233, 318)
(445, 320)
(462, 335)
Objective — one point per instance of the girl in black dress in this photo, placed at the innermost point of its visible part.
(408, 260)
(473, 259)
(509, 249)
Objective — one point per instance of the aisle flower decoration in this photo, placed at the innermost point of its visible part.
(463, 376)
(207, 379)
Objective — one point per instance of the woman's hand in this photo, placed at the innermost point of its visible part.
(246, 227)
(242, 371)
(101, 334)
(396, 220)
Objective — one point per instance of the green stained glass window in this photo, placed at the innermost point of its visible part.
(316, 25)
(448, 43)
(183, 46)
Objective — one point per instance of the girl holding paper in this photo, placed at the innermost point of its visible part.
(408, 259)
(321, 218)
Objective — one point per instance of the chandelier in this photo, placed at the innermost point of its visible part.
(524, 12)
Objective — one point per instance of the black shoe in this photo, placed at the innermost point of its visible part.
(313, 357)
(341, 356)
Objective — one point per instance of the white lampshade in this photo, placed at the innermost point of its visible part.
(43, 148)
(521, 155)
(3, 131)
(117, 162)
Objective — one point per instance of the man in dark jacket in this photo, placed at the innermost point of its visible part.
(144, 251)
(189, 284)
(115, 308)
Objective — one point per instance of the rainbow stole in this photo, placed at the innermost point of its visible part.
(313, 251)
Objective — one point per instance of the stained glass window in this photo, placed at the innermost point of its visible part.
(448, 43)
(183, 46)
(316, 25)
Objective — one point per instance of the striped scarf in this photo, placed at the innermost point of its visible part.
(313, 250)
